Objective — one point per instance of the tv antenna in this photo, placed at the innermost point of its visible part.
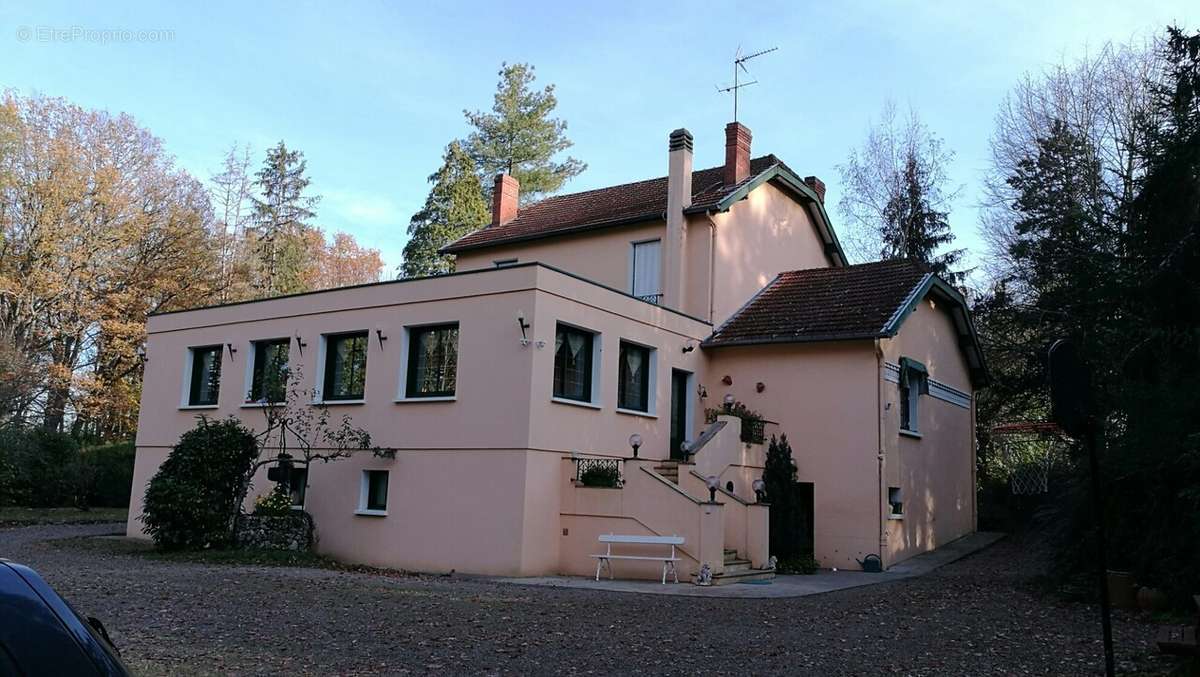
(739, 62)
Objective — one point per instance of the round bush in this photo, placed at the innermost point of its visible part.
(190, 502)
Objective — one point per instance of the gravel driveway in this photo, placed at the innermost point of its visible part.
(977, 616)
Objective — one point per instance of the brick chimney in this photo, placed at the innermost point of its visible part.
(505, 194)
(818, 187)
(737, 153)
(679, 198)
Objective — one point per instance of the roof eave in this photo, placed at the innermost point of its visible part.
(454, 248)
(818, 338)
(968, 338)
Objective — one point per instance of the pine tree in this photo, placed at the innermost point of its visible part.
(779, 476)
(895, 197)
(454, 207)
(913, 228)
(520, 138)
(280, 221)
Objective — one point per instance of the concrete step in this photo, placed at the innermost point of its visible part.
(743, 576)
(737, 565)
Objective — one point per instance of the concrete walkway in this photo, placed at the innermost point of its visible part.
(782, 586)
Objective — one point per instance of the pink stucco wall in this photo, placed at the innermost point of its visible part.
(936, 471)
(758, 238)
(823, 398)
(475, 482)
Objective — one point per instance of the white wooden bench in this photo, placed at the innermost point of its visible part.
(667, 560)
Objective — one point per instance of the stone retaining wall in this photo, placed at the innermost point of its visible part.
(291, 532)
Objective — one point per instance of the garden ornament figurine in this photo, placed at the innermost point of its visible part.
(705, 575)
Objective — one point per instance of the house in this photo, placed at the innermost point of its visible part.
(579, 324)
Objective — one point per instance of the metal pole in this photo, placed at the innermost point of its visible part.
(1102, 559)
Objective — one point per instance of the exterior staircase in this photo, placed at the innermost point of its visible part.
(737, 570)
(669, 469)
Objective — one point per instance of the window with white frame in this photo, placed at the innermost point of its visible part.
(914, 382)
(574, 355)
(635, 370)
(646, 281)
(345, 366)
(204, 381)
(432, 361)
(373, 496)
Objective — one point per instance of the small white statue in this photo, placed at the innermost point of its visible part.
(772, 561)
(705, 575)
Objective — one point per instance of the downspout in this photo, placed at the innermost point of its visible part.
(880, 454)
(712, 262)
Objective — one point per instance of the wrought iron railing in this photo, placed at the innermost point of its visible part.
(656, 299)
(599, 472)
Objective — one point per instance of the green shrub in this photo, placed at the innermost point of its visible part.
(278, 503)
(752, 421)
(191, 501)
(113, 479)
(804, 563)
(45, 469)
(601, 476)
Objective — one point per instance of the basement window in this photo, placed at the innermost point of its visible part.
(373, 495)
(895, 503)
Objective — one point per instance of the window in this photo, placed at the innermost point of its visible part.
(297, 483)
(373, 500)
(647, 284)
(895, 504)
(633, 378)
(502, 263)
(345, 366)
(914, 382)
(268, 382)
(573, 364)
(205, 382)
(432, 361)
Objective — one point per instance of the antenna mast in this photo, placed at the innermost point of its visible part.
(739, 61)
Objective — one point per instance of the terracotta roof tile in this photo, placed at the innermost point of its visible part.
(823, 304)
(630, 202)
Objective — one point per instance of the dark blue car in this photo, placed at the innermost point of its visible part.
(40, 634)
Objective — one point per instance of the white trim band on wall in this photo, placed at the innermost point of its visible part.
(937, 389)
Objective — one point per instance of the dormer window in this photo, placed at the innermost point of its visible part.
(646, 280)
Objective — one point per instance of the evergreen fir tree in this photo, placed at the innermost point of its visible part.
(280, 228)
(779, 476)
(520, 138)
(913, 228)
(455, 206)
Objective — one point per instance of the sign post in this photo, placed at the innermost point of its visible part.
(1071, 408)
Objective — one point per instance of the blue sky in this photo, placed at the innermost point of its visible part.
(372, 91)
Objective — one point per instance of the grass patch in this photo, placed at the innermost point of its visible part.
(19, 517)
(226, 556)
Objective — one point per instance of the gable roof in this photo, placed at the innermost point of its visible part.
(864, 301)
(643, 201)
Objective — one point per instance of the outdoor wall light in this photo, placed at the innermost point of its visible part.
(635, 441)
(231, 349)
(712, 483)
(523, 325)
(685, 447)
(702, 392)
(300, 343)
(380, 335)
(760, 490)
